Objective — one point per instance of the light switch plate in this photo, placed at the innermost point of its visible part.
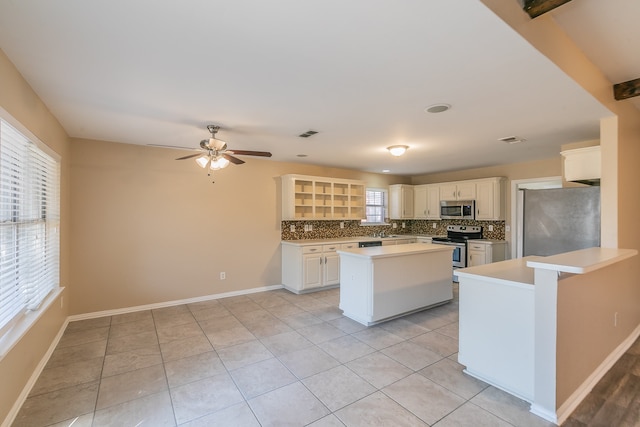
(292, 228)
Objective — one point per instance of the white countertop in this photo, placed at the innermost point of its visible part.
(305, 242)
(509, 272)
(394, 250)
(583, 260)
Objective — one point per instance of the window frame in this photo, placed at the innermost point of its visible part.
(385, 207)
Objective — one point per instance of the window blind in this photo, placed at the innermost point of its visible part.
(374, 200)
(29, 225)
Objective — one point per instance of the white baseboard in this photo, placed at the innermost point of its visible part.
(11, 416)
(116, 311)
(572, 402)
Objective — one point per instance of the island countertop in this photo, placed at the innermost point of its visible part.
(394, 251)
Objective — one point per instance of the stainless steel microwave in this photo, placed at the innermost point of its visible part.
(458, 209)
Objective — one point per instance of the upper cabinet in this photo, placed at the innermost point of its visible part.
(464, 190)
(400, 201)
(426, 201)
(312, 198)
(490, 199)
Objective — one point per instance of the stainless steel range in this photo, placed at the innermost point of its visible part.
(457, 236)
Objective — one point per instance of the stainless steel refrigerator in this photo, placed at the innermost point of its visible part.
(560, 220)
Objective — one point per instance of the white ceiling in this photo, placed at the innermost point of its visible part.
(360, 72)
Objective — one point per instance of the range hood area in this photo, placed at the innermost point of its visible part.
(582, 165)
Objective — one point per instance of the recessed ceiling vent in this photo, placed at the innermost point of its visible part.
(307, 134)
(512, 139)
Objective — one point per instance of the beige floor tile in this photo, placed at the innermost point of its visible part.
(262, 377)
(131, 385)
(403, 328)
(243, 307)
(167, 321)
(268, 328)
(221, 323)
(412, 355)
(59, 377)
(320, 333)
(311, 304)
(239, 415)
(377, 410)
(450, 375)
(85, 420)
(240, 355)
(346, 348)
(212, 312)
(301, 320)
(276, 408)
(424, 398)
(377, 338)
(287, 310)
(186, 347)
(451, 330)
(338, 387)
(285, 343)
(131, 342)
(508, 407)
(57, 406)
(328, 313)
(127, 361)
(131, 317)
(152, 410)
(472, 416)
(230, 337)
(427, 320)
(81, 325)
(203, 305)
(83, 336)
(131, 328)
(254, 317)
(438, 343)
(309, 361)
(177, 332)
(378, 369)
(192, 368)
(204, 397)
(171, 311)
(347, 325)
(328, 421)
(77, 353)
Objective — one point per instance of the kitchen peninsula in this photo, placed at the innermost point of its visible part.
(383, 282)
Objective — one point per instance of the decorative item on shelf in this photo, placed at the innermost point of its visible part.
(398, 150)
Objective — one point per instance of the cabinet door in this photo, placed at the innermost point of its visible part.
(476, 258)
(466, 191)
(485, 200)
(420, 202)
(448, 192)
(331, 269)
(433, 202)
(312, 271)
(407, 201)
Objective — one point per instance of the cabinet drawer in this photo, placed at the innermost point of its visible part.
(316, 249)
(477, 247)
(348, 246)
(330, 248)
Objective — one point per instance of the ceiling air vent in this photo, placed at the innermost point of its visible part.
(512, 139)
(307, 134)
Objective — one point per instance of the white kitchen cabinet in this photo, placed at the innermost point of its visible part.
(464, 190)
(311, 267)
(388, 242)
(423, 239)
(420, 202)
(400, 201)
(490, 199)
(485, 252)
(433, 201)
(312, 198)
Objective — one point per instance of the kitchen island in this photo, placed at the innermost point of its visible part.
(384, 282)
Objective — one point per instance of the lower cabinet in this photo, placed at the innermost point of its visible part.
(485, 252)
(307, 268)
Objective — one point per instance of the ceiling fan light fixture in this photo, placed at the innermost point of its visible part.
(219, 163)
(398, 150)
(202, 161)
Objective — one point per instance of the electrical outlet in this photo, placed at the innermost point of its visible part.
(394, 225)
(491, 228)
(507, 228)
(292, 228)
(434, 225)
(306, 227)
(403, 225)
(223, 275)
(341, 224)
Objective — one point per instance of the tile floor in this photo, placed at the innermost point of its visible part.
(269, 359)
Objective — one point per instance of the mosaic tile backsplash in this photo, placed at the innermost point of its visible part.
(331, 229)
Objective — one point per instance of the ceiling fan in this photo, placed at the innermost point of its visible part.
(215, 155)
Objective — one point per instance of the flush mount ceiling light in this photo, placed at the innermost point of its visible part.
(437, 108)
(398, 150)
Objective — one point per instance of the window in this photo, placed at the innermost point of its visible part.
(29, 224)
(376, 201)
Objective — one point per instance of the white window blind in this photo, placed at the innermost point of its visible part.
(375, 204)
(29, 225)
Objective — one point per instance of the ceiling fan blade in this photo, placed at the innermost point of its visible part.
(190, 156)
(250, 153)
(234, 160)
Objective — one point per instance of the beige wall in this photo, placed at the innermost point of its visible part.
(149, 229)
(22, 103)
